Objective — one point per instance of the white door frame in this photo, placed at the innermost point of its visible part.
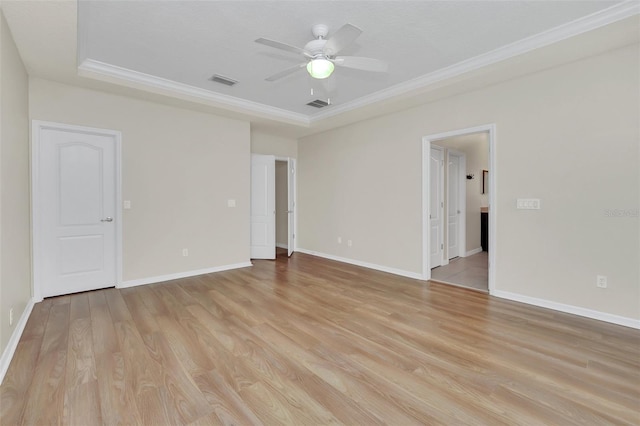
(295, 197)
(462, 202)
(37, 251)
(426, 150)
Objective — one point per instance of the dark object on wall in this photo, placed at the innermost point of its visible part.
(484, 231)
(470, 176)
(485, 181)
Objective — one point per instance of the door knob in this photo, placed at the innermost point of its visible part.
(108, 219)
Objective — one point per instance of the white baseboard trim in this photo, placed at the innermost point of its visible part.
(12, 345)
(282, 246)
(381, 268)
(186, 274)
(569, 309)
(472, 252)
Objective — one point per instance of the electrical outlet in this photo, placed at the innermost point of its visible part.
(126, 204)
(339, 240)
(185, 252)
(349, 243)
(601, 281)
(11, 316)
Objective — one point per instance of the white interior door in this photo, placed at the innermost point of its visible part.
(291, 205)
(453, 205)
(263, 206)
(436, 206)
(76, 210)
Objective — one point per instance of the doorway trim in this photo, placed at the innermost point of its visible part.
(37, 126)
(426, 193)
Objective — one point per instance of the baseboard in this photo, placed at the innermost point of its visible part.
(12, 345)
(282, 246)
(186, 274)
(569, 309)
(474, 251)
(381, 268)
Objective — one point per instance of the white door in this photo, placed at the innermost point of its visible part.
(76, 210)
(291, 205)
(453, 205)
(263, 206)
(436, 206)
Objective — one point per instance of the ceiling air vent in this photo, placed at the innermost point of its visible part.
(223, 80)
(318, 103)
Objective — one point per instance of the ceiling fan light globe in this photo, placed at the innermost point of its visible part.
(320, 68)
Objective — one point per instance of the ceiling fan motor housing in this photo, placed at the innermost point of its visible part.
(320, 31)
(314, 47)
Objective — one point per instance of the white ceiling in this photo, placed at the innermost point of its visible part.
(172, 48)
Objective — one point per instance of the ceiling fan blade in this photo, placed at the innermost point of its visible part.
(286, 72)
(360, 63)
(346, 35)
(282, 46)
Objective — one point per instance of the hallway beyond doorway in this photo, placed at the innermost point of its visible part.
(471, 271)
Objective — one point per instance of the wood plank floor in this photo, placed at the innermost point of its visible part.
(310, 341)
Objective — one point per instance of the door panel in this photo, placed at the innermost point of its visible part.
(436, 171)
(77, 193)
(263, 206)
(453, 207)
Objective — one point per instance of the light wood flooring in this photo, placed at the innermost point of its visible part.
(310, 341)
(471, 271)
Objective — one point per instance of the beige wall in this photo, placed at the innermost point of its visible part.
(269, 144)
(567, 135)
(282, 201)
(476, 150)
(179, 168)
(15, 239)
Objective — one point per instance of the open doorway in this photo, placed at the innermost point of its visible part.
(283, 212)
(458, 182)
(273, 216)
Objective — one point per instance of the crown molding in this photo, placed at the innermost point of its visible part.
(125, 77)
(588, 23)
(122, 76)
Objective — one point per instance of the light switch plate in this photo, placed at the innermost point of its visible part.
(126, 204)
(528, 204)
(231, 203)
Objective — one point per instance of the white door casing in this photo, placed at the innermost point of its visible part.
(455, 205)
(291, 191)
(436, 205)
(76, 193)
(263, 206)
(427, 142)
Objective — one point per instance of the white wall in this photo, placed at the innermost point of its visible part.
(179, 169)
(567, 135)
(269, 144)
(15, 225)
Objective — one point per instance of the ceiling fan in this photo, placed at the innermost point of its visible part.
(320, 53)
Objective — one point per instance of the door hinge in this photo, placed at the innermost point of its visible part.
(441, 246)
(441, 203)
